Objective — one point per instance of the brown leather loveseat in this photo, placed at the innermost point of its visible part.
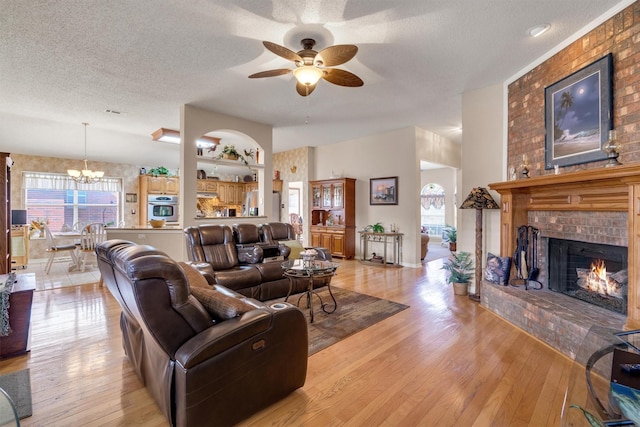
(201, 367)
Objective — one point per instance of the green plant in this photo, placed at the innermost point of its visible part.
(450, 233)
(230, 150)
(376, 228)
(160, 170)
(460, 267)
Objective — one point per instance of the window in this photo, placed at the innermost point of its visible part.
(432, 209)
(60, 200)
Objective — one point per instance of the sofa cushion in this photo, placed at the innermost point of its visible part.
(219, 305)
(194, 277)
(296, 248)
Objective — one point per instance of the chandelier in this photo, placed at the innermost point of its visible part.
(86, 175)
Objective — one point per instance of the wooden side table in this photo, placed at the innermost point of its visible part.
(18, 342)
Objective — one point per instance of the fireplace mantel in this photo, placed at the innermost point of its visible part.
(615, 189)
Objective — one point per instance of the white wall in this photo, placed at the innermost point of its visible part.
(195, 122)
(396, 153)
(483, 162)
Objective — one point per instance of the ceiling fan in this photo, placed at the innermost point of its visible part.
(310, 65)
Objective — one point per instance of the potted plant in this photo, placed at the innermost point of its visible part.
(160, 170)
(376, 228)
(460, 268)
(229, 152)
(451, 235)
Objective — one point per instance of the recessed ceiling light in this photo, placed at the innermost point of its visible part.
(538, 30)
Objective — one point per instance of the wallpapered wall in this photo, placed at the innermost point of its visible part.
(293, 166)
(22, 163)
(526, 127)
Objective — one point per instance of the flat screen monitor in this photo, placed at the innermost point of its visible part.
(18, 217)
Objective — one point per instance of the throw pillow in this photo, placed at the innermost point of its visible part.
(497, 270)
(194, 277)
(295, 246)
(219, 305)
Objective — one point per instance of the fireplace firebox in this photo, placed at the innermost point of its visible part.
(593, 272)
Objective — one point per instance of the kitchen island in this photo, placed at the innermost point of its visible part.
(168, 239)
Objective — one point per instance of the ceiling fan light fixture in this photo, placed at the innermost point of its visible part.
(172, 136)
(308, 75)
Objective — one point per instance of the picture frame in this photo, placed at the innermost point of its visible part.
(578, 115)
(383, 191)
(131, 197)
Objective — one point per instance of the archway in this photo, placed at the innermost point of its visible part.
(432, 209)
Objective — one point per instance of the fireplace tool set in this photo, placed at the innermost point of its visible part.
(525, 258)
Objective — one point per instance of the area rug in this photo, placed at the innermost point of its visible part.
(18, 387)
(355, 313)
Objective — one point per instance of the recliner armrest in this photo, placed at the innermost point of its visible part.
(250, 254)
(206, 270)
(225, 335)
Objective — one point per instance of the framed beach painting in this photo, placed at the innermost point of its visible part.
(578, 115)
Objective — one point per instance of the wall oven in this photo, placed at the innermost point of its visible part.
(163, 207)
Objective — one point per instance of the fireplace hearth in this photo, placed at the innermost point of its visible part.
(593, 272)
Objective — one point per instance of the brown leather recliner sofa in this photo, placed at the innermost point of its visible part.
(198, 370)
(215, 251)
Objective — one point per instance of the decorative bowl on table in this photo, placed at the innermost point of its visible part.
(308, 256)
(157, 223)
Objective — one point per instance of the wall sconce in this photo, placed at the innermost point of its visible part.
(612, 148)
(294, 169)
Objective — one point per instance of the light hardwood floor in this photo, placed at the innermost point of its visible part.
(445, 361)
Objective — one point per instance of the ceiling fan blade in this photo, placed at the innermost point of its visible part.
(341, 77)
(283, 51)
(270, 73)
(304, 90)
(336, 55)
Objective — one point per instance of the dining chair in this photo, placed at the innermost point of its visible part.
(295, 220)
(53, 248)
(92, 235)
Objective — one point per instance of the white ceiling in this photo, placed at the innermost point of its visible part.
(67, 61)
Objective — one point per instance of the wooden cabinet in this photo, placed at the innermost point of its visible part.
(333, 213)
(20, 299)
(5, 214)
(207, 186)
(159, 184)
(148, 184)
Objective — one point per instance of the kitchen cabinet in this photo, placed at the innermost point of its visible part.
(147, 185)
(159, 185)
(333, 212)
(207, 186)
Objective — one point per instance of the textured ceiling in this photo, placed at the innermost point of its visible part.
(65, 62)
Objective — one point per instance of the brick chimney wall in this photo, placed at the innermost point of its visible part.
(620, 36)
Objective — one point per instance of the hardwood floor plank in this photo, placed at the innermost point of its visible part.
(444, 361)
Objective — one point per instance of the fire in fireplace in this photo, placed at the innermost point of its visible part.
(593, 272)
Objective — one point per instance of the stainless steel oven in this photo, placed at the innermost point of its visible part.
(163, 207)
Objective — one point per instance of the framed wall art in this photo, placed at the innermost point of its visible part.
(578, 115)
(383, 191)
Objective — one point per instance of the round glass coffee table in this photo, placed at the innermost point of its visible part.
(310, 270)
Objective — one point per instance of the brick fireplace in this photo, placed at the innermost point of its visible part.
(595, 205)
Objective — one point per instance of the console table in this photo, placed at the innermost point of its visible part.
(391, 246)
(18, 341)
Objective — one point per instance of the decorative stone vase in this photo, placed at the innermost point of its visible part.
(453, 246)
(229, 156)
(460, 288)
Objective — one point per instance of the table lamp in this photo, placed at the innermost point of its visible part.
(478, 199)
